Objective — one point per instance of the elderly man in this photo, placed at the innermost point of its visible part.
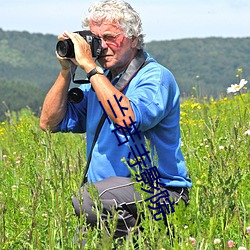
(139, 99)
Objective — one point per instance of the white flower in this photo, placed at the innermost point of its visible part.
(221, 147)
(22, 210)
(237, 87)
(242, 248)
(192, 240)
(217, 241)
(246, 133)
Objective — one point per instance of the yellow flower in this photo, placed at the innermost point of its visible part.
(240, 70)
(195, 105)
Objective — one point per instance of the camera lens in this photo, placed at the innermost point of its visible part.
(75, 95)
(65, 48)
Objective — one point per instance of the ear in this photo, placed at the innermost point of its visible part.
(134, 42)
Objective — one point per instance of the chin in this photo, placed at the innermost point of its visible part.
(105, 64)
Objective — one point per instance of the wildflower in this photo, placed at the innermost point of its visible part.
(247, 133)
(221, 147)
(45, 216)
(198, 182)
(230, 244)
(195, 105)
(237, 87)
(242, 248)
(186, 227)
(240, 70)
(192, 240)
(248, 230)
(216, 241)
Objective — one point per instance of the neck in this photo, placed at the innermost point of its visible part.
(117, 71)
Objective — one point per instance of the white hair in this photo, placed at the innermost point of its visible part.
(120, 13)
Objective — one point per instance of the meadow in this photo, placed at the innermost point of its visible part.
(40, 172)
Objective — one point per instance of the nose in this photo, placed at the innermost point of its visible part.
(104, 44)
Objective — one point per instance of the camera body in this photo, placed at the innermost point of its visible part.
(65, 48)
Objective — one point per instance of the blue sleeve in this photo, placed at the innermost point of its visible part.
(75, 117)
(154, 95)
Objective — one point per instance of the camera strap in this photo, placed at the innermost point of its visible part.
(136, 64)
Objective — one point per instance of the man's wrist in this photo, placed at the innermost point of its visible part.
(96, 70)
(65, 73)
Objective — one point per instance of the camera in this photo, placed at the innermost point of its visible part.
(65, 48)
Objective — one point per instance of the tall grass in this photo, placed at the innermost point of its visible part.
(40, 172)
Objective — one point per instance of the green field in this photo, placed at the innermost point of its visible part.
(40, 172)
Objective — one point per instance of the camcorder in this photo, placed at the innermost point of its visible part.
(65, 48)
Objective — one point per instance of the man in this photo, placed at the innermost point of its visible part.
(140, 99)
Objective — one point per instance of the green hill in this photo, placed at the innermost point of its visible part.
(28, 66)
(210, 63)
(28, 58)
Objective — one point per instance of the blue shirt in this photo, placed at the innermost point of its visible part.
(154, 97)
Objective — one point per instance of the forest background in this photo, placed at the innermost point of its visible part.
(201, 66)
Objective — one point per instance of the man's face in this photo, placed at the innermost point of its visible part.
(118, 50)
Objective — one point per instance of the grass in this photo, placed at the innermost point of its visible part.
(40, 172)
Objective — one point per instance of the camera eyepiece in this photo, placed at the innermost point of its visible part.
(65, 48)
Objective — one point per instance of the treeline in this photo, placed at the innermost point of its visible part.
(28, 68)
(210, 64)
(16, 95)
(204, 67)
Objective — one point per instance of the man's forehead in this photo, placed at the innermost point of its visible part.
(104, 25)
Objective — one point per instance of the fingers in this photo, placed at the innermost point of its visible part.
(82, 49)
(67, 35)
(66, 61)
(63, 36)
(59, 57)
(75, 37)
(70, 35)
